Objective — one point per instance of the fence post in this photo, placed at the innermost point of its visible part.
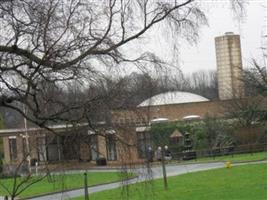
(164, 168)
(86, 195)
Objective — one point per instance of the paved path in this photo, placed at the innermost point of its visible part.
(172, 170)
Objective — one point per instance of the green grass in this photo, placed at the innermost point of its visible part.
(62, 182)
(238, 183)
(245, 157)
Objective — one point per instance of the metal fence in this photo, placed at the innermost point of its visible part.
(218, 152)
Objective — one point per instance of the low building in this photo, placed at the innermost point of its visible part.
(125, 141)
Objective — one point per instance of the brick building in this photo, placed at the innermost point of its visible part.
(120, 144)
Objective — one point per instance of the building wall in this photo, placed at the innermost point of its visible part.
(6, 150)
(229, 66)
(143, 115)
(102, 146)
(85, 151)
(20, 148)
(126, 142)
(178, 111)
(126, 151)
(127, 146)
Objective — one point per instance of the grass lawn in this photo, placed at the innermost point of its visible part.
(238, 183)
(62, 182)
(233, 158)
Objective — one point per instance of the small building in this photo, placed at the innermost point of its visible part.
(176, 138)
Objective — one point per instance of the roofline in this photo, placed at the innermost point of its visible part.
(16, 131)
(150, 101)
(174, 104)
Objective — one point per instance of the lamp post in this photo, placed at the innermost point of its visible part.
(162, 150)
(27, 141)
(86, 194)
(150, 154)
(149, 159)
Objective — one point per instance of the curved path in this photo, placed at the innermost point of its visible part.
(172, 170)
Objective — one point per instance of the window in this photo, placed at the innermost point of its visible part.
(121, 121)
(24, 147)
(176, 141)
(54, 148)
(143, 121)
(93, 147)
(143, 142)
(41, 149)
(137, 121)
(127, 120)
(111, 147)
(12, 148)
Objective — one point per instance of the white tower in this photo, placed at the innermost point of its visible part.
(229, 66)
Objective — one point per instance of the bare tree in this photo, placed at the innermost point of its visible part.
(203, 83)
(247, 115)
(58, 41)
(45, 46)
(256, 80)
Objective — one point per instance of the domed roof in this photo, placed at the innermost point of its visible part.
(175, 97)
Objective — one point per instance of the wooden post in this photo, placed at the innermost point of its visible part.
(164, 168)
(86, 195)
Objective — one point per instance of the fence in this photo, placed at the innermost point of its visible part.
(223, 151)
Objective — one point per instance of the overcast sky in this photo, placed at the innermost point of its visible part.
(221, 20)
(202, 56)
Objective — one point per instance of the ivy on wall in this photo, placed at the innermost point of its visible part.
(207, 133)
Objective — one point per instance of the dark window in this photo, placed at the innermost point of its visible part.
(41, 148)
(127, 121)
(111, 147)
(143, 142)
(176, 141)
(143, 121)
(13, 148)
(54, 148)
(93, 147)
(70, 146)
(121, 121)
(24, 146)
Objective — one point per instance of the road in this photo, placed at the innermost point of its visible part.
(172, 170)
